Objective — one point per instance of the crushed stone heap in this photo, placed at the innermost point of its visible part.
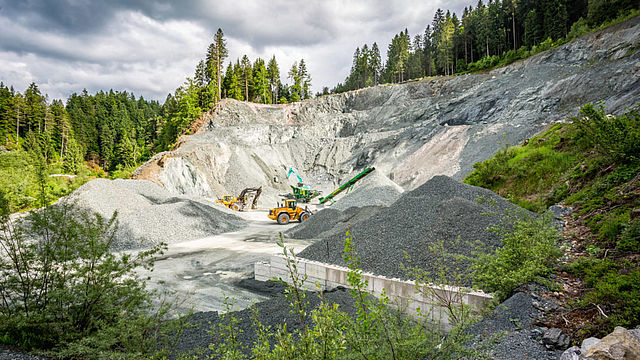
(149, 214)
(441, 209)
(374, 190)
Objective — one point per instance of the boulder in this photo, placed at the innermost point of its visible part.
(619, 345)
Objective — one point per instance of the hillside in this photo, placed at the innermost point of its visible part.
(412, 131)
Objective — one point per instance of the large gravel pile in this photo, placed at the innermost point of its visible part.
(441, 209)
(331, 221)
(374, 190)
(148, 214)
(273, 312)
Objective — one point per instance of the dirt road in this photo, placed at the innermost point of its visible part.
(199, 274)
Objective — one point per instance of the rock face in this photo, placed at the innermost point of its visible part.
(409, 132)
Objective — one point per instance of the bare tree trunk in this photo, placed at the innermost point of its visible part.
(513, 16)
(487, 46)
(219, 68)
(18, 129)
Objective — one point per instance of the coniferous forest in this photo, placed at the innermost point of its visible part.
(487, 35)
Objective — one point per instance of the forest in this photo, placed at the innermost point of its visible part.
(492, 34)
(116, 130)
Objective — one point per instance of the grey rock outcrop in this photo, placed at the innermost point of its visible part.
(410, 131)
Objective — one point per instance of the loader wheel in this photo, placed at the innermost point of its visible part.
(304, 216)
(235, 207)
(283, 218)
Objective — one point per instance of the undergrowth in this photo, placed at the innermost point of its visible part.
(592, 164)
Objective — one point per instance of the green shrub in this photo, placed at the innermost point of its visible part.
(613, 137)
(64, 291)
(614, 287)
(529, 251)
(375, 332)
(630, 239)
(612, 226)
(578, 29)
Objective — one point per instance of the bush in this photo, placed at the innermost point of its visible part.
(528, 253)
(630, 239)
(578, 29)
(615, 137)
(614, 287)
(62, 289)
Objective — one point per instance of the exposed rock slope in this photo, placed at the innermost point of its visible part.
(412, 131)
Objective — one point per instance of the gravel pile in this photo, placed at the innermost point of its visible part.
(148, 214)
(331, 221)
(272, 312)
(9, 353)
(441, 209)
(374, 190)
(515, 319)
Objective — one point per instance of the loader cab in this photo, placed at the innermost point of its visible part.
(291, 204)
(226, 198)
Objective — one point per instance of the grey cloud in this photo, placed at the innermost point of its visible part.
(149, 47)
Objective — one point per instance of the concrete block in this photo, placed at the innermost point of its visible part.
(369, 278)
(281, 274)
(262, 271)
(316, 270)
(477, 301)
(336, 275)
(310, 283)
(278, 262)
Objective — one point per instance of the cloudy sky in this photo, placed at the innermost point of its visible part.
(150, 46)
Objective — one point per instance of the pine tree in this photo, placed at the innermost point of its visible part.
(261, 81)
(296, 87)
(305, 80)
(376, 63)
(273, 73)
(246, 75)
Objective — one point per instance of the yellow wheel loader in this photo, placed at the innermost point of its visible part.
(289, 211)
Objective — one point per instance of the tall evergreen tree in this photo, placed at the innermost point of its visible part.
(273, 72)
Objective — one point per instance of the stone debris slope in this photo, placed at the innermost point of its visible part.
(149, 214)
(331, 221)
(436, 126)
(442, 209)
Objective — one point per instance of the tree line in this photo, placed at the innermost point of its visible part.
(112, 128)
(117, 130)
(499, 31)
(257, 81)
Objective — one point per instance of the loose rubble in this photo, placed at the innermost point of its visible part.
(374, 190)
(148, 214)
(621, 344)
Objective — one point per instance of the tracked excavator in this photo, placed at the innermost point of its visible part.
(301, 192)
(240, 203)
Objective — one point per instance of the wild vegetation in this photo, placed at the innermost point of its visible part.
(591, 164)
(375, 331)
(66, 294)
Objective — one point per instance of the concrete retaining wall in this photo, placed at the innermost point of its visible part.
(429, 303)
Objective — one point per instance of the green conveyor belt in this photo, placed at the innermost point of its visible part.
(347, 185)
